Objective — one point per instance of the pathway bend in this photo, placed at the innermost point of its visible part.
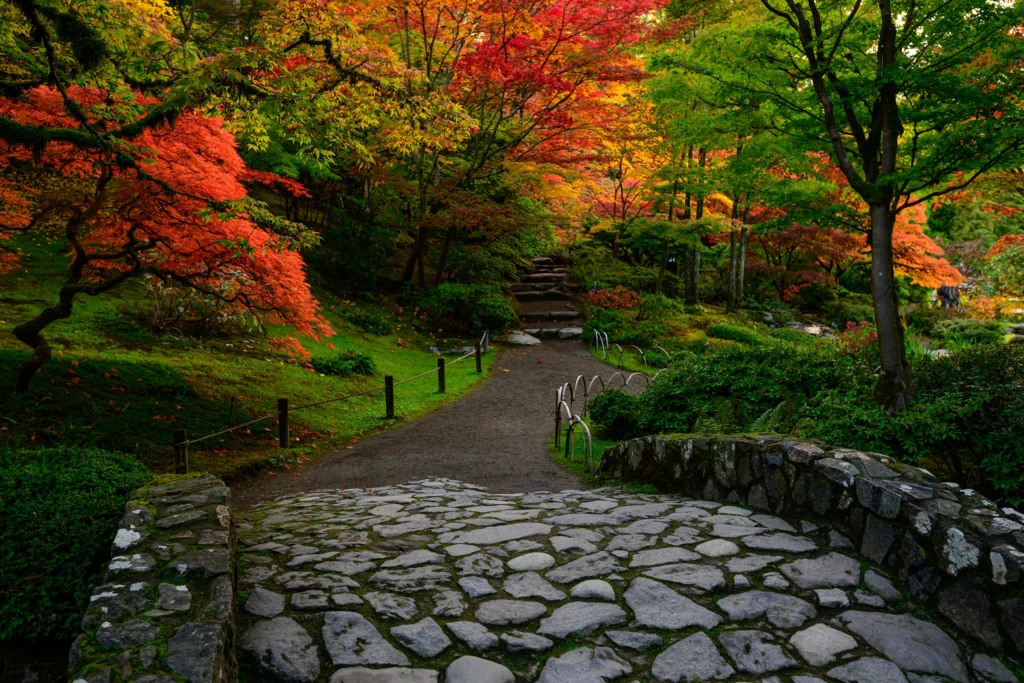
(496, 436)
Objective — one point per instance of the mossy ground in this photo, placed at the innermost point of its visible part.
(114, 384)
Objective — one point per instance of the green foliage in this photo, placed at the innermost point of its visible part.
(965, 421)
(371, 322)
(616, 410)
(791, 336)
(469, 308)
(345, 364)
(817, 296)
(966, 331)
(59, 510)
(739, 333)
(732, 416)
(761, 377)
(624, 329)
(925, 319)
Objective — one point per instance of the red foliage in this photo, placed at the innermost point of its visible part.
(620, 297)
(170, 212)
(1003, 243)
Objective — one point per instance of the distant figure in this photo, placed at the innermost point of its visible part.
(949, 296)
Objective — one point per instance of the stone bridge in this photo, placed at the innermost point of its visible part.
(444, 582)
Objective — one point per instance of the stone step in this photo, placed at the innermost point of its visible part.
(553, 324)
(561, 270)
(544, 277)
(543, 261)
(549, 315)
(542, 295)
(532, 286)
(557, 331)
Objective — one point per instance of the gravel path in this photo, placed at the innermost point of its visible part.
(495, 437)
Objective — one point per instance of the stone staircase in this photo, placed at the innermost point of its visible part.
(546, 311)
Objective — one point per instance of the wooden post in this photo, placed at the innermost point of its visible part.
(231, 413)
(389, 397)
(440, 375)
(180, 452)
(284, 440)
(479, 359)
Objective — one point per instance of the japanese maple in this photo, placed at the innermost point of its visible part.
(168, 203)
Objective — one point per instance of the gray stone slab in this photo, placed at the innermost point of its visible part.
(868, 670)
(833, 570)
(425, 637)
(784, 611)
(755, 652)
(691, 660)
(701, 576)
(913, 644)
(351, 640)
(532, 585)
(585, 665)
(580, 619)
(506, 612)
(475, 670)
(588, 566)
(655, 605)
(506, 532)
(282, 650)
(475, 635)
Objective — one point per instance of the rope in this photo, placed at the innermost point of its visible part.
(314, 404)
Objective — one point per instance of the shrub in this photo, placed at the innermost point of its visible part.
(620, 297)
(468, 308)
(737, 333)
(345, 364)
(925, 318)
(370, 322)
(964, 422)
(622, 329)
(791, 336)
(853, 308)
(817, 296)
(761, 377)
(59, 510)
(969, 331)
(617, 411)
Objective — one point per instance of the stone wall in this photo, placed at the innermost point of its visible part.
(165, 611)
(950, 546)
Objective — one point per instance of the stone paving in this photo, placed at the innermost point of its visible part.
(437, 580)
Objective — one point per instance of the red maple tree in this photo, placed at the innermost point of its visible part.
(168, 202)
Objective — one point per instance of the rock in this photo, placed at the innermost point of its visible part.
(913, 644)
(425, 637)
(717, 548)
(476, 586)
(832, 597)
(282, 650)
(650, 558)
(448, 604)
(784, 611)
(775, 582)
(655, 605)
(429, 577)
(522, 339)
(264, 603)
(597, 564)
(475, 670)
(175, 598)
(480, 564)
(532, 585)
(518, 641)
(193, 651)
(700, 575)
(414, 558)
(394, 675)
(635, 640)
(828, 571)
(460, 549)
(820, 644)
(966, 604)
(570, 333)
(868, 599)
(751, 563)
(311, 600)
(754, 652)
(593, 589)
(473, 634)
(868, 670)
(881, 586)
(780, 541)
(531, 562)
(565, 544)
(1011, 615)
(991, 669)
(127, 634)
(580, 619)
(692, 660)
(352, 640)
(502, 533)
(505, 612)
(392, 606)
(877, 540)
(585, 665)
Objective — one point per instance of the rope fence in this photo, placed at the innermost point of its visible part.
(181, 441)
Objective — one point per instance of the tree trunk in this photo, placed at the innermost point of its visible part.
(661, 270)
(439, 275)
(893, 389)
(732, 281)
(692, 275)
(740, 272)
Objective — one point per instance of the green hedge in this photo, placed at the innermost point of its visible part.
(59, 510)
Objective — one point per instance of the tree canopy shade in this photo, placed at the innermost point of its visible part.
(910, 99)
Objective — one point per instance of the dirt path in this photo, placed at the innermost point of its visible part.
(495, 437)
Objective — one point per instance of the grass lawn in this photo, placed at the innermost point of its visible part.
(115, 385)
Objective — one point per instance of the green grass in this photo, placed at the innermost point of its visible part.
(113, 384)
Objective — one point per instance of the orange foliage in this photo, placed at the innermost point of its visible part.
(1003, 243)
(917, 255)
(155, 215)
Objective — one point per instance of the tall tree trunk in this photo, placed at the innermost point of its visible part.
(733, 263)
(741, 271)
(702, 162)
(439, 275)
(893, 389)
(689, 163)
(415, 255)
(661, 270)
(692, 275)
